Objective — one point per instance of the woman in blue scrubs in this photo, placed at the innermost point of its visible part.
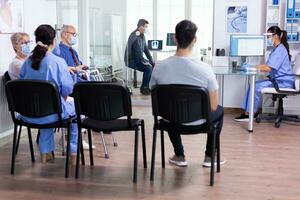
(278, 65)
(44, 65)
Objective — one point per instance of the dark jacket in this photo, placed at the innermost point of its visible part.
(135, 49)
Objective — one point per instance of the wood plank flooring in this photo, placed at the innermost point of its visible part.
(260, 166)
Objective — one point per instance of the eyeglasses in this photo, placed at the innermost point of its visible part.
(25, 42)
(74, 34)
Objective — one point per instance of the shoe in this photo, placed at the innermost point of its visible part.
(47, 157)
(145, 91)
(178, 161)
(244, 117)
(207, 162)
(86, 146)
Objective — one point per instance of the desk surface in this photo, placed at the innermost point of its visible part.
(221, 70)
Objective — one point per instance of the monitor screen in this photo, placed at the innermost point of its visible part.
(170, 39)
(247, 45)
(155, 44)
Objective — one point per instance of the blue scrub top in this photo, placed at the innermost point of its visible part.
(280, 64)
(64, 52)
(55, 70)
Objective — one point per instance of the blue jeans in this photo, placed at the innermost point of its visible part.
(144, 67)
(216, 116)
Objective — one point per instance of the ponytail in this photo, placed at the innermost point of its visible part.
(283, 40)
(44, 37)
(37, 56)
(282, 34)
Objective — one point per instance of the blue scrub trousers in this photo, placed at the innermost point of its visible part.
(259, 86)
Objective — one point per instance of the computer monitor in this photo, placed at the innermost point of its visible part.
(170, 39)
(155, 45)
(247, 45)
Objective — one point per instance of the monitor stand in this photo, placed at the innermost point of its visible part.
(243, 60)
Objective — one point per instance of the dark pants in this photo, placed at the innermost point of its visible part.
(146, 68)
(175, 137)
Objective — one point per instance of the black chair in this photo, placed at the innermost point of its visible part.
(35, 99)
(5, 79)
(173, 105)
(103, 104)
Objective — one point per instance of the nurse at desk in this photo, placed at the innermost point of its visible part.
(278, 66)
(44, 65)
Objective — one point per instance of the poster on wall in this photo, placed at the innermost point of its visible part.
(11, 16)
(236, 17)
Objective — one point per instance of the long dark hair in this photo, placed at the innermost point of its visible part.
(282, 34)
(44, 37)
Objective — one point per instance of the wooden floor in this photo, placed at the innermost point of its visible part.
(263, 165)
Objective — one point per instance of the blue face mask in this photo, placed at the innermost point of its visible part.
(26, 48)
(74, 40)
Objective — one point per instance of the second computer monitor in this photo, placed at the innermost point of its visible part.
(247, 45)
(170, 39)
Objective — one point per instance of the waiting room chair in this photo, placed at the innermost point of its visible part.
(103, 104)
(173, 105)
(35, 99)
(279, 94)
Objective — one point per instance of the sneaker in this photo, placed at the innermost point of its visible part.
(85, 145)
(207, 162)
(244, 117)
(178, 161)
(145, 91)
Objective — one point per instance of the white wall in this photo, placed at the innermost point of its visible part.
(234, 93)
(36, 12)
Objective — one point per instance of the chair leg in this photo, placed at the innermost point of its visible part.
(79, 146)
(104, 144)
(144, 144)
(37, 137)
(13, 157)
(62, 141)
(18, 141)
(218, 154)
(134, 79)
(30, 145)
(82, 152)
(90, 147)
(114, 140)
(136, 147)
(163, 164)
(68, 152)
(213, 150)
(153, 155)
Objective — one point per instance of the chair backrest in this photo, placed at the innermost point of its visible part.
(6, 77)
(180, 103)
(33, 98)
(297, 72)
(102, 101)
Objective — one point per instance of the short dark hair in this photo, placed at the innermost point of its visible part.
(142, 22)
(185, 32)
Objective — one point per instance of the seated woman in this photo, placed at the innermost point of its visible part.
(278, 65)
(44, 65)
(22, 46)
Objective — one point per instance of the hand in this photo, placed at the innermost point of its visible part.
(79, 68)
(72, 70)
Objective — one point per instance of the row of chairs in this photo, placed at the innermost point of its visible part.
(107, 107)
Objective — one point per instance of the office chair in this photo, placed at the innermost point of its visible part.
(279, 94)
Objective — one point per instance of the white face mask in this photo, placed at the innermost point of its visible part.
(26, 48)
(147, 31)
(74, 40)
(269, 41)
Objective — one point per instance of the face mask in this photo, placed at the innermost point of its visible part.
(26, 48)
(269, 41)
(74, 40)
(147, 31)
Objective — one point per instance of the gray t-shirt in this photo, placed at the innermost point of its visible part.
(184, 70)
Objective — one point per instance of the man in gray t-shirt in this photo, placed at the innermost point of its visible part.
(183, 69)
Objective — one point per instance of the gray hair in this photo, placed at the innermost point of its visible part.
(16, 38)
(65, 28)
